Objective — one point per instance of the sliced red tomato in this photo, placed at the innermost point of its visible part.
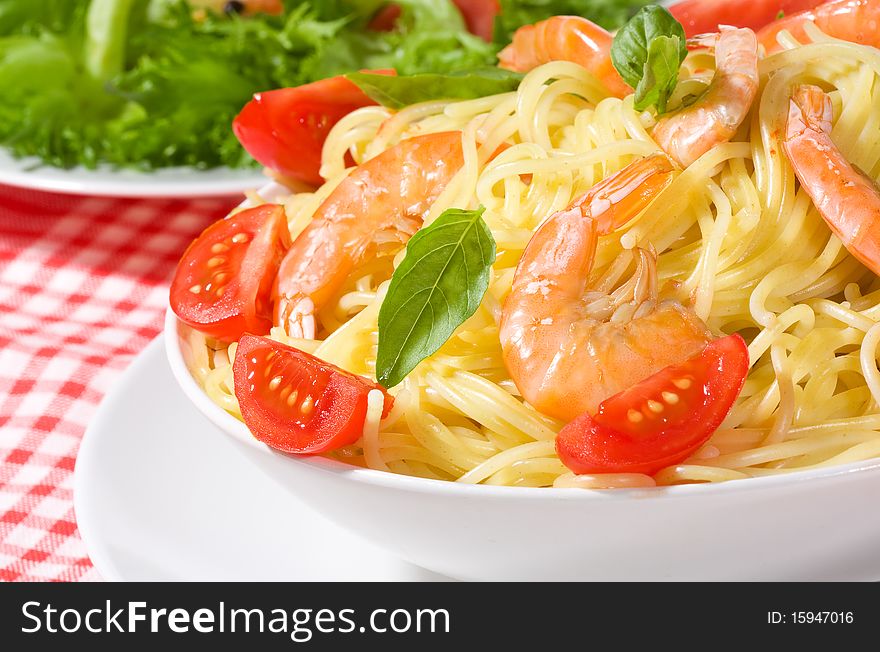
(223, 283)
(662, 420)
(285, 129)
(297, 403)
(479, 16)
(703, 16)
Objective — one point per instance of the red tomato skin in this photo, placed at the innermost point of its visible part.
(385, 18)
(605, 443)
(285, 129)
(245, 303)
(704, 16)
(479, 16)
(339, 412)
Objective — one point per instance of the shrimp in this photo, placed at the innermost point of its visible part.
(850, 20)
(714, 119)
(685, 135)
(847, 200)
(568, 345)
(565, 38)
(382, 202)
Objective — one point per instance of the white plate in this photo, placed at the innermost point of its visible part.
(161, 494)
(110, 182)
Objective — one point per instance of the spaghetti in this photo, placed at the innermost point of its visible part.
(736, 238)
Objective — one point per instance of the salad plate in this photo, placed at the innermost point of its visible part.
(161, 494)
(183, 182)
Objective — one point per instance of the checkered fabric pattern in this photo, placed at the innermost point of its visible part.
(83, 287)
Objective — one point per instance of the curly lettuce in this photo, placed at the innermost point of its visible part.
(143, 84)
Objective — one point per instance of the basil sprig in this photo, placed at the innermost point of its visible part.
(648, 52)
(403, 90)
(438, 285)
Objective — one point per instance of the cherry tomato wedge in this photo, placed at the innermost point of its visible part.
(223, 283)
(703, 16)
(285, 129)
(662, 420)
(297, 403)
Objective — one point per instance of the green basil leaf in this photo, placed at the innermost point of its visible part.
(439, 284)
(661, 74)
(404, 90)
(654, 70)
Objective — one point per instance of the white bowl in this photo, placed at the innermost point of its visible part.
(804, 525)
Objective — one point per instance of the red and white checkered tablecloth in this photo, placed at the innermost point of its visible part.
(83, 287)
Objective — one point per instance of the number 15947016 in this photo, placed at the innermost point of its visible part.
(810, 617)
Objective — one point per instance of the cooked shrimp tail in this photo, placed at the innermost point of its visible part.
(715, 118)
(615, 201)
(847, 200)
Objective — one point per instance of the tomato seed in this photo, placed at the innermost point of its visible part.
(682, 383)
(307, 406)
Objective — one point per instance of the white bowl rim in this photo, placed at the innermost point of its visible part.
(232, 426)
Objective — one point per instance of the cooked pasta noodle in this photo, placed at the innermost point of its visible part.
(734, 234)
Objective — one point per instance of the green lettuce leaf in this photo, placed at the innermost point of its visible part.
(164, 88)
